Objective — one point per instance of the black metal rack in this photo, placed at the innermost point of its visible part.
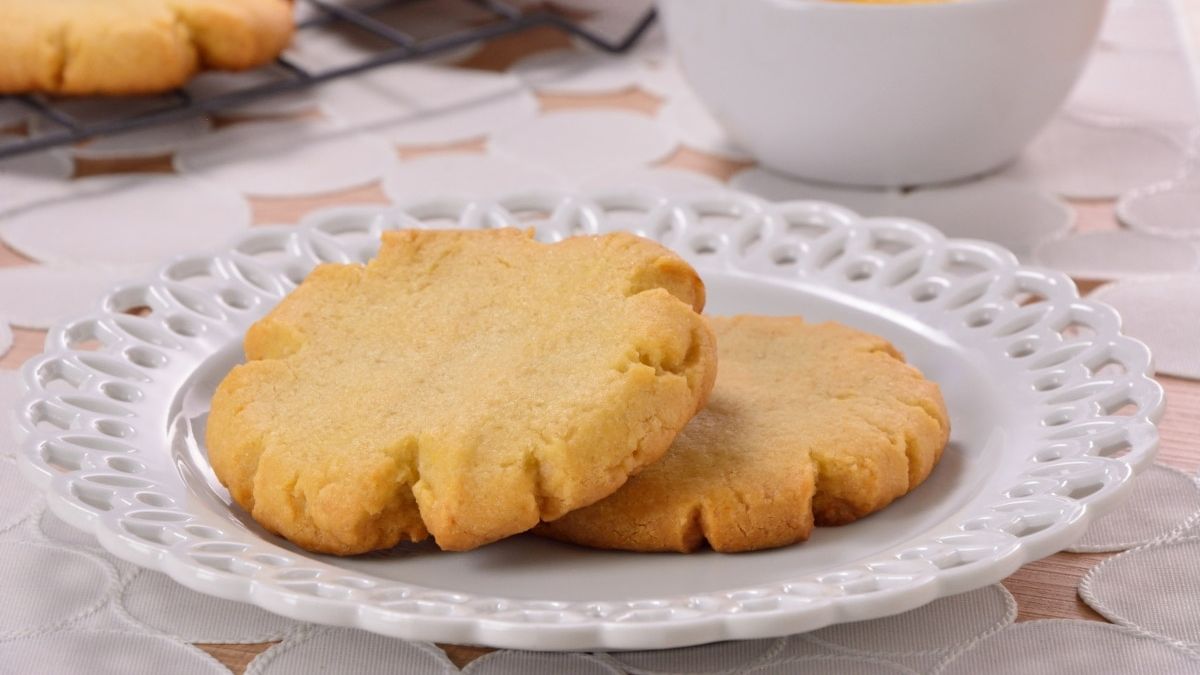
(65, 129)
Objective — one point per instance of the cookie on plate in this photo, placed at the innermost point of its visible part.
(806, 423)
(466, 384)
(126, 47)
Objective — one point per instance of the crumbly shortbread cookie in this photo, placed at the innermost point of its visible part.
(464, 383)
(126, 47)
(805, 422)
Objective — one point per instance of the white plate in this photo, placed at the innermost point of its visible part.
(1036, 379)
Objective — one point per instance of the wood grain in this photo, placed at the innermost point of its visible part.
(1043, 589)
(497, 55)
(236, 656)
(12, 258)
(461, 655)
(1048, 588)
(26, 343)
(97, 167)
(291, 209)
(634, 100)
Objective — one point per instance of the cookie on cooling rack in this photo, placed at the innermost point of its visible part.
(126, 47)
(806, 423)
(467, 384)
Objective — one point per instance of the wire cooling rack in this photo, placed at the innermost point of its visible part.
(61, 128)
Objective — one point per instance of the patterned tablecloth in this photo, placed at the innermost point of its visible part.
(538, 110)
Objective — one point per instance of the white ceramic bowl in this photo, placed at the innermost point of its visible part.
(882, 94)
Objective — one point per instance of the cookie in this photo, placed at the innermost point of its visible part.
(807, 423)
(126, 47)
(464, 384)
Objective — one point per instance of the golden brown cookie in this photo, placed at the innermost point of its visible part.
(805, 422)
(464, 383)
(125, 47)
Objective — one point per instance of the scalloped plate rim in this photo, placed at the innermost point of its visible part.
(600, 633)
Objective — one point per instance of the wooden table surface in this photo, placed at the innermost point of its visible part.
(1044, 589)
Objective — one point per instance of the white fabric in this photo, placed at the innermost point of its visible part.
(523, 663)
(1165, 314)
(664, 79)
(155, 600)
(10, 392)
(699, 130)
(48, 528)
(1166, 573)
(104, 652)
(214, 83)
(1116, 254)
(463, 174)
(6, 336)
(54, 529)
(43, 587)
(429, 105)
(819, 665)
(1121, 130)
(336, 46)
(39, 296)
(579, 143)
(160, 139)
(1014, 214)
(317, 51)
(721, 657)
(340, 44)
(786, 655)
(1071, 647)
(938, 627)
(18, 498)
(1146, 87)
(344, 650)
(663, 179)
(1136, 69)
(127, 219)
(1138, 25)
(1092, 158)
(778, 187)
(283, 159)
(571, 71)
(1166, 209)
(1163, 501)
(28, 179)
(110, 617)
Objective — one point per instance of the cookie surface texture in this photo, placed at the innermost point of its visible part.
(464, 384)
(807, 422)
(128, 47)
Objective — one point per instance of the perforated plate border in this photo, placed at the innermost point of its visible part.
(96, 418)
